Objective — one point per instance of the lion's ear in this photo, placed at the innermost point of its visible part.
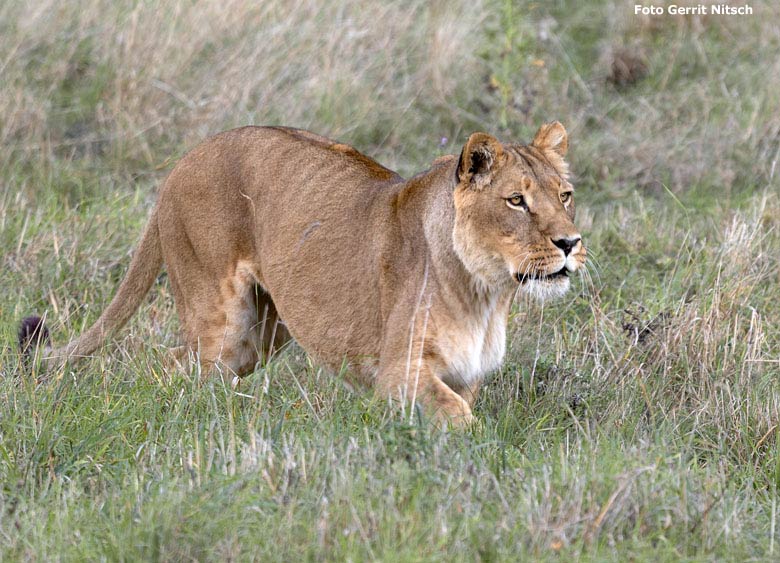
(478, 161)
(552, 137)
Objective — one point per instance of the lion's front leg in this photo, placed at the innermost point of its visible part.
(414, 379)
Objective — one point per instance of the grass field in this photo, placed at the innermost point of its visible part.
(635, 419)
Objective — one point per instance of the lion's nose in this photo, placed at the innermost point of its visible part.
(566, 244)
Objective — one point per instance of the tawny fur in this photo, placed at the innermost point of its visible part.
(270, 233)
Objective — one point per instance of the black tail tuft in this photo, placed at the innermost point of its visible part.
(32, 333)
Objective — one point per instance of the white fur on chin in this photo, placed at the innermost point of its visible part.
(544, 290)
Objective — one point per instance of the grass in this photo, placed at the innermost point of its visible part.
(635, 419)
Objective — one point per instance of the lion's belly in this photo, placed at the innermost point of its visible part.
(324, 291)
(329, 327)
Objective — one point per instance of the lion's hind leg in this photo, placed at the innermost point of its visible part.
(220, 323)
(229, 326)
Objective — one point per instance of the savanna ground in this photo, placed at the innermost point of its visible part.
(635, 419)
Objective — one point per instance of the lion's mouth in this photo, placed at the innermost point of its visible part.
(526, 277)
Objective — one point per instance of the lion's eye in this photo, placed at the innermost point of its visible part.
(516, 200)
(565, 197)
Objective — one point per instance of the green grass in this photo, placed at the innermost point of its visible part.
(636, 419)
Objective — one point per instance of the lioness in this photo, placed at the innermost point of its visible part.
(273, 232)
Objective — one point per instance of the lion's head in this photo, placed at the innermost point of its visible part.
(514, 213)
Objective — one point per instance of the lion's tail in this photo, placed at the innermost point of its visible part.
(144, 267)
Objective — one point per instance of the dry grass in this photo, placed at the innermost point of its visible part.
(705, 114)
(126, 81)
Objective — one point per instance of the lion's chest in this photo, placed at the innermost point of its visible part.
(473, 346)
